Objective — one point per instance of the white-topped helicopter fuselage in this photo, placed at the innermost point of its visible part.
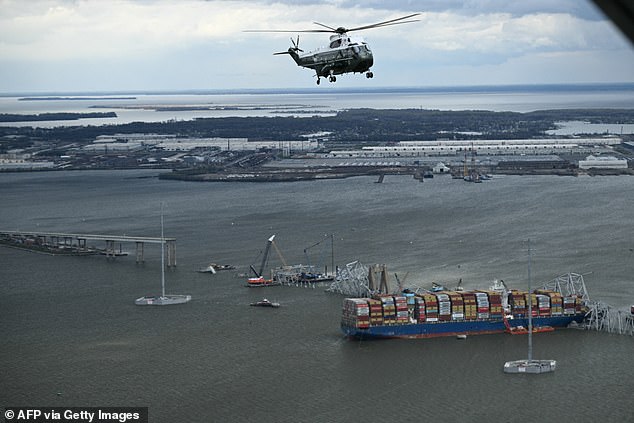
(344, 54)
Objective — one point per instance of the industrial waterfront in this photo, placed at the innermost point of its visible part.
(286, 135)
(73, 335)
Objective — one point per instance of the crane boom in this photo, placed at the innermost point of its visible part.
(266, 255)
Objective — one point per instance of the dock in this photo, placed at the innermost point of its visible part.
(78, 244)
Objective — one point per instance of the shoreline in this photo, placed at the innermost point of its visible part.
(261, 175)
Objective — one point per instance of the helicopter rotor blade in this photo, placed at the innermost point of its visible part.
(285, 30)
(342, 30)
(326, 26)
(381, 25)
(387, 23)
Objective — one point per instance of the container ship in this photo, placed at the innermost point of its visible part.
(458, 313)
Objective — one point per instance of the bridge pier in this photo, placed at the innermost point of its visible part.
(109, 249)
(139, 252)
(171, 253)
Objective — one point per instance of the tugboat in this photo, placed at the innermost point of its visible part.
(265, 303)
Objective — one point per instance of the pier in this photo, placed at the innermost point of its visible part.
(77, 244)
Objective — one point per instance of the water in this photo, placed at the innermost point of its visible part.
(69, 324)
(142, 108)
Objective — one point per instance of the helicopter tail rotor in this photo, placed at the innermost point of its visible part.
(292, 50)
(296, 45)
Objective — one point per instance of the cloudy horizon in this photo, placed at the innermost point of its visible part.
(163, 45)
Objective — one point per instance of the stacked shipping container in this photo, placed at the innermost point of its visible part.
(556, 301)
(457, 305)
(495, 305)
(402, 313)
(453, 306)
(482, 302)
(431, 307)
(444, 307)
(470, 306)
(356, 313)
(376, 312)
(569, 305)
(389, 310)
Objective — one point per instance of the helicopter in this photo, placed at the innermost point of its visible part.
(344, 54)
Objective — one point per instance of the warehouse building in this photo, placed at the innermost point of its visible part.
(483, 147)
(602, 162)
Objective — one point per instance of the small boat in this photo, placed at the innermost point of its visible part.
(213, 268)
(530, 366)
(167, 299)
(261, 282)
(461, 336)
(114, 253)
(265, 303)
(521, 330)
(436, 287)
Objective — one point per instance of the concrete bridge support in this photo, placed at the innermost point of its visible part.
(139, 252)
(171, 253)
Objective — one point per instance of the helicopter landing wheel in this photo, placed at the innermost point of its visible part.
(369, 75)
(318, 81)
(332, 78)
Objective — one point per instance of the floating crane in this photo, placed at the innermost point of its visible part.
(259, 279)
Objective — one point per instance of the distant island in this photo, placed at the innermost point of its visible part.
(347, 129)
(12, 117)
(74, 98)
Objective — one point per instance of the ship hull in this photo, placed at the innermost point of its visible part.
(454, 328)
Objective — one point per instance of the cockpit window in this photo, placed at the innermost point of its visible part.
(336, 43)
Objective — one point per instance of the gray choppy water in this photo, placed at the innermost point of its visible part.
(69, 324)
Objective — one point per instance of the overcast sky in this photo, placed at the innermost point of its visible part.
(119, 45)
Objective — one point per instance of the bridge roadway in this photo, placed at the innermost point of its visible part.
(79, 241)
